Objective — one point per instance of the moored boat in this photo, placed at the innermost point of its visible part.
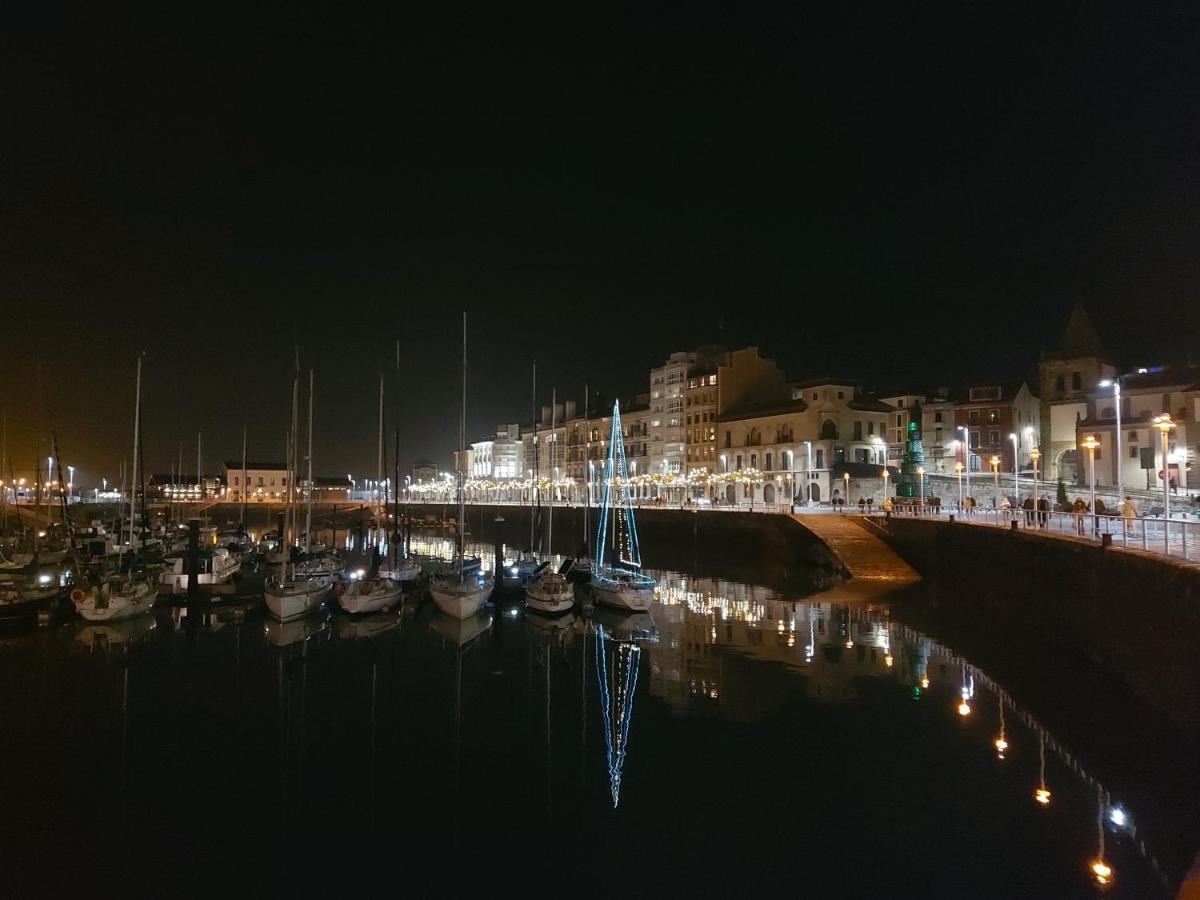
(291, 599)
(549, 592)
(118, 598)
(368, 595)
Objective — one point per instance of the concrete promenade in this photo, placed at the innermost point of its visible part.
(865, 556)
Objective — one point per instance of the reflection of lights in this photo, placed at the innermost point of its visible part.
(45, 579)
(1118, 816)
(849, 643)
(925, 682)
(888, 661)
(1042, 796)
(513, 612)
(1102, 872)
(1001, 746)
(964, 708)
(791, 640)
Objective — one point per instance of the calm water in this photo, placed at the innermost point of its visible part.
(742, 742)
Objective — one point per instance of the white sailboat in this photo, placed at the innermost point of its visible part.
(617, 580)
(549, 592)
(290, 595)
(117, 598)
(368, 595)
(463, 590)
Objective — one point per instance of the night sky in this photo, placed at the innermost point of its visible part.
(911, 194)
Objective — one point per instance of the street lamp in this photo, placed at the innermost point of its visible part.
(1016, 442)
(996, 480)
(1164, 425)
(921, 483)
(808, 474)
(1034, 455)
(70, 481)
(885, 483)
(966, 455)
(1090, 444)
(1115, 384)
(846, 480)
(958, 470)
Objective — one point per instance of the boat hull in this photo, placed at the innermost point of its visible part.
(288, 603)
(458, 602)
(119, 607)
(554, 600)
(355, 602)
(627, 597)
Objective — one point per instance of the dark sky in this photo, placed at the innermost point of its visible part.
(913, 194)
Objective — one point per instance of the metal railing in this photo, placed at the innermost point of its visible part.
(1177, 537)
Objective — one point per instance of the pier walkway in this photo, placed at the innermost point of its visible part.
(866, 557)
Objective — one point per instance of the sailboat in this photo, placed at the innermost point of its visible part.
(462, 590)
(619, 583)
(117, 598)
(549, 591)
(288, 595)
(368, 595)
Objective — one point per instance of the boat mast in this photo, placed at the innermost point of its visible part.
(199, 470)
(293, 459)
(137, 409)
(587, 461)
(533, 481)
(242, 515)
(553, 439)
(380, 509)
(308, 510)
(462, 456)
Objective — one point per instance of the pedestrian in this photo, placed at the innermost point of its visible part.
(862, 505)
(887, 506)
(870, 503)
(1079, 509)
(1043, 510)
(1128, 514)
(1027, 505)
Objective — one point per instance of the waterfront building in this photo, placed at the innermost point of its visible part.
(265, 481)
(501, 456)
(723, 383)
(1067, 375)
(826, 430)
(424, 470)
(1149, 392)
(668, 385)
(990, 413)
(937, 434)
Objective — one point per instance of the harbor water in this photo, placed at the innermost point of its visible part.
(743, 739)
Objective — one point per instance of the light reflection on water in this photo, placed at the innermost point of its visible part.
(340, 721)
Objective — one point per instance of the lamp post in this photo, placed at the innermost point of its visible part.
(846, 495)
(791, 470)
(1034, 455)
(958, 469)
(1164, 425)
(1016, 442)
(1090, 444)
(808, 473)
(921, 483)
(885, 483)
(996, 480)
(966, 455)
(1115, 384)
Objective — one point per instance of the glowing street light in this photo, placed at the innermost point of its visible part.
(1034, 455)
(966, 455)
(996, 479)
(1090, 444)
(1164, 425)
(958, 470)
(846, 482)
(1115, 384)
(921, 484)
(1016, 442)
(1042, 793)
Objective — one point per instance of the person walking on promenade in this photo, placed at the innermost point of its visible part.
(1043, 511)
(1027, 505)
(1128, 515)
(1079, 509)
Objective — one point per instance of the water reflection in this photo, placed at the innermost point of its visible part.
(365, 705)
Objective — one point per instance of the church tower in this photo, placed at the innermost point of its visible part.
(1067, 375)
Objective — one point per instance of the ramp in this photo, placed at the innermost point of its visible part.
(865, 555)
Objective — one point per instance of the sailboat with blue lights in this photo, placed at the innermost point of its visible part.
(619, 640)
(618, 580)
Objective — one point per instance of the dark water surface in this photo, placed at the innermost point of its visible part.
(747, 743)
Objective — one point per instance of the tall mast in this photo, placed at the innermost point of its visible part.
(3, 468)
(462, 456)
(553, 439)
(178, 505)
(308, 510)
(533, 482)
(199, 468)
(293, 457)
(137, 409)
(243, 491)
(379, 461)
(587, 461)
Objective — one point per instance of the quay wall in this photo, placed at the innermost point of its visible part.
(1136, 614)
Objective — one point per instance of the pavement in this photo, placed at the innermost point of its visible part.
(873, 566)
